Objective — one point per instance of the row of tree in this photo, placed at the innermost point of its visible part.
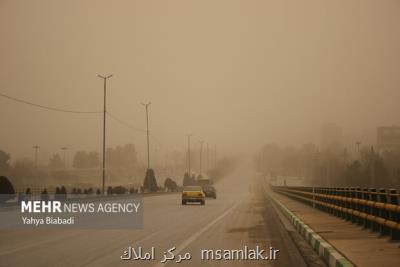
(119, 157)
(330, 167)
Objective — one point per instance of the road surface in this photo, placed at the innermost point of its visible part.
(239, 216)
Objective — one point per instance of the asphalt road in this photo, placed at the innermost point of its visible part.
(239, 216)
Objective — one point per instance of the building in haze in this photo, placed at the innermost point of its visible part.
(388, 138)
(331, 136)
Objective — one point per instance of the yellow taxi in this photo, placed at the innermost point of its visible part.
(193, 194)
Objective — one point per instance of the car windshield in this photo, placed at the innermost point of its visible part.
(192, 188)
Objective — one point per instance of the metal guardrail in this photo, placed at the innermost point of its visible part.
(378, 210)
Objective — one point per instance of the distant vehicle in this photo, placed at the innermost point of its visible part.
(193, 194)
(210, 191)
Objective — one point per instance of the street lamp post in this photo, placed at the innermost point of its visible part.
(208, 158)
(146, 105)
(372, 167)
(188, 136)
(104, 129)
(64, 149)
(36, 148)
(215, 156)
(358, 143)
(36, 155)
(201, 156)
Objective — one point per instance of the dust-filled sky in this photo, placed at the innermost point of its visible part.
(234, 73)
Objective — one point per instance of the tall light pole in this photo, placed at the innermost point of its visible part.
(188, 136)
(64, 149)
(358, 143)
(146, 105)
(208, 158)
(36, 148)
(104, 129)
(372, 167)
(201, 155)
(215, 156)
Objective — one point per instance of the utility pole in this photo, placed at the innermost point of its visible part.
(36, 155)
(372, 167)
(36, 169)
(64, 149)
(208, 158)
(146, 105)
(215, 156)
(358, 143)
(104, 129)
(201, 155)
(188, 136)
(155, 158)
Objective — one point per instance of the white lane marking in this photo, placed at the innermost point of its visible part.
(192, 238)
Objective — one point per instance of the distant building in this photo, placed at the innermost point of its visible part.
(331, 136)
(388, 138)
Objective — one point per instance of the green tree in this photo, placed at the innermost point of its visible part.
(150, 181)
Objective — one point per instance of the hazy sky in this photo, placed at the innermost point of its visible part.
(235, 73)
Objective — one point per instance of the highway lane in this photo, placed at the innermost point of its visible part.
(240, 216)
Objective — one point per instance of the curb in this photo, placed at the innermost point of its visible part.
(325, 250)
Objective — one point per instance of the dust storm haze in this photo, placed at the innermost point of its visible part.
(238, 74)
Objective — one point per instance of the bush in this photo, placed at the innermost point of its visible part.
(109, 190)
(98, 192)
(63, 190)
(150, 181)
(45, 195)
(119, 190)
(170, 185)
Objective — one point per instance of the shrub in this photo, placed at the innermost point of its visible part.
(63, 190)
(119, 190)
(45, 195)
(150, 182)
(170, 185)
(109, 190)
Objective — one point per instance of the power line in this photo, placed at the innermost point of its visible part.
(115, 118)
(124, 123)
(47, 107)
